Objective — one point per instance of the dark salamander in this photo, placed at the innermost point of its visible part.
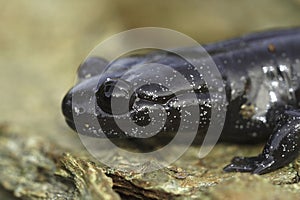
(261, 73)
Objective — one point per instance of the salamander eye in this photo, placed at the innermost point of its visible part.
(116, 92)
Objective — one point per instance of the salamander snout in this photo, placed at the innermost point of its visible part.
(66, 107)
(78, 105)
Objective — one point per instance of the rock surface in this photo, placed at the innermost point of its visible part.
(34, 169)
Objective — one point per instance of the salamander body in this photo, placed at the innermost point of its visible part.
(261, 76)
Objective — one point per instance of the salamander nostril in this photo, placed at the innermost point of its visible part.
(79, 110)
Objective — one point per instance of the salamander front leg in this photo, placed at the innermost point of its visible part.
(282, 147)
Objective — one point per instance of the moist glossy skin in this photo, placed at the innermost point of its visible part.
(261, 72)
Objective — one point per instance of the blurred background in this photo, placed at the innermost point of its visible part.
(43, 42)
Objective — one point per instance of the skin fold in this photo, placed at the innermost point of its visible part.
(261, 76)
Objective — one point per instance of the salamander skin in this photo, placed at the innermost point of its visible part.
(261, 73)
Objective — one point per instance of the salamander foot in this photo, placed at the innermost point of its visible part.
(255, 165)
(282, 147)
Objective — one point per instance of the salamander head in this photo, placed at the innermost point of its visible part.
(136, 96)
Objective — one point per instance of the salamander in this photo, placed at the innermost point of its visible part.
(261, 76)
